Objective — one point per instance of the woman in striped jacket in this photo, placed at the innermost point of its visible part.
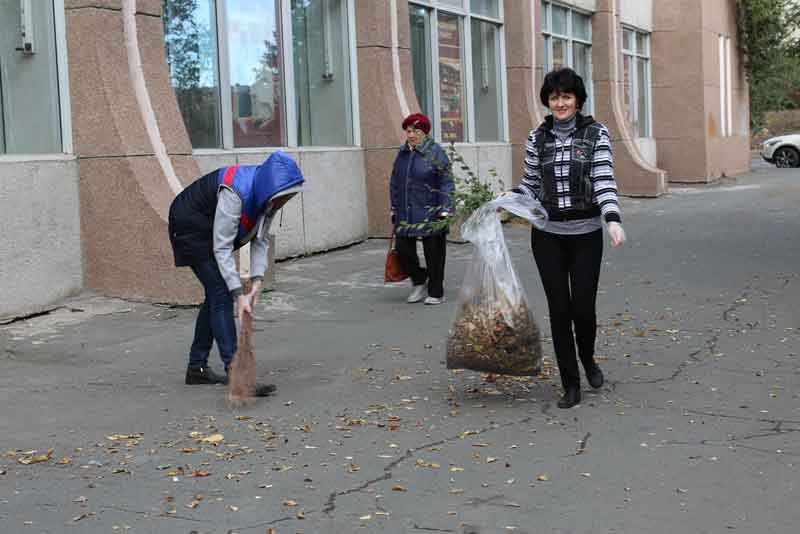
(569, 168)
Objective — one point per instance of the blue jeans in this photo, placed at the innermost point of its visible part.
(215, 320)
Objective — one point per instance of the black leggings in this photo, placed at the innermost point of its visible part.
(569, 266)
(435, 249)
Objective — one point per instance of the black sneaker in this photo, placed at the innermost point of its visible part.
(572, 396)
(595, 377)
(198, 374)
(263, 390)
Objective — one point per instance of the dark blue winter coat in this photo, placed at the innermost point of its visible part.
(420, 187)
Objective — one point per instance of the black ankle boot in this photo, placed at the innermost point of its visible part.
(263, 390)
(572, 396)
(199, 374)
(595, 376)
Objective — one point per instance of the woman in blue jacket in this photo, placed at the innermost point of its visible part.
(420, 189)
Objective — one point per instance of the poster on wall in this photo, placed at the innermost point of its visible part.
(451, 79)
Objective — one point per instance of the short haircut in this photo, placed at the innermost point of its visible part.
(564, 80)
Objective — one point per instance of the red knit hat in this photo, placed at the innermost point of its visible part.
(419, 121)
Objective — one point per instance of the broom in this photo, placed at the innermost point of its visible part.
(242, 373)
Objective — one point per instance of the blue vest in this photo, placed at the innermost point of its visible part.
(257, 184)
(191, 214)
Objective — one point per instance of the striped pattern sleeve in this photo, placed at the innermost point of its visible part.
(604, 184)
(531, 182)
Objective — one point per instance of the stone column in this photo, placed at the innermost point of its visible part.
(523, 47)
(635, 177)
(386, 95)
(133, 150)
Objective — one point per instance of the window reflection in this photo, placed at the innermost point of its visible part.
(255, 73)
(191, 46)
(451, 78)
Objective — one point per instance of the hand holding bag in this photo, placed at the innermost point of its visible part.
(393, 272)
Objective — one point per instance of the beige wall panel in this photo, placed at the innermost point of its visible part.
(677, 15)
(186, 170)
(378, 164)
(519, 49)
(379, 107)
(683, 159)
(678, 113)
(719, 16)
(289, 231)
(105, 114)
(150, 31)
(40, 244)
(104, 4)
(677, 59)
(637, 13)
(125, 244)
(373, 23)
(498, 157)
(334, 198)
(209, 162)
(585, 5)
(149, 7)
(403, 25)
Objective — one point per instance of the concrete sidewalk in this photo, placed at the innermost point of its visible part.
(696, 430)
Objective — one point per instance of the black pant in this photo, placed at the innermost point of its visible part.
(569, 266)
(435, 249)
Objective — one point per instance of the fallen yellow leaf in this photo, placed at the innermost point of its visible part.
(398, 487)
(543, 478)
(34, 458)
(216, 438)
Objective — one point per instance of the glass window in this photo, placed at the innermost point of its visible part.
(567, 43)
(486, 80)
(322, 72)
(581, 26)
(451, 79)
(636, 80)
(191, 41)
(255, 73)
(462, 91)
(489, 8)
(30, 110)
(559, 20)
(421, 57)
(250, 109)
(559, 54)
(452, 3)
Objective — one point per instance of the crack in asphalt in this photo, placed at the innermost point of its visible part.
(428, 529)
(743, 418)
(330, 504)
(582, 444)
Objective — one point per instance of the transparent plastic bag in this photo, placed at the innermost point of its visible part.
(494, 330)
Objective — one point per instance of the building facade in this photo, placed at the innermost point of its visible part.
(108, 108)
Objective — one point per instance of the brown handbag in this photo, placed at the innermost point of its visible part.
(394, 269)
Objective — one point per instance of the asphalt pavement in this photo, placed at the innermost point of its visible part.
(695, 431)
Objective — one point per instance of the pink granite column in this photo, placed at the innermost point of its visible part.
(125, 192)
(635, 177)
(523, 48)
(381, 97)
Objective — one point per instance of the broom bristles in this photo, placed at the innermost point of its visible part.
(242, 374)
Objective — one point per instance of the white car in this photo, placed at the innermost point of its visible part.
(783, 151)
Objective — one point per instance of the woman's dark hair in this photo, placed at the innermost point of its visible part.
(564, 80)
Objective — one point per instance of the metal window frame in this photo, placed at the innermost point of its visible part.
(289, 108)
(62, 70)
(62, 84)
(433, 8)
(548, 35)
(635, 54)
